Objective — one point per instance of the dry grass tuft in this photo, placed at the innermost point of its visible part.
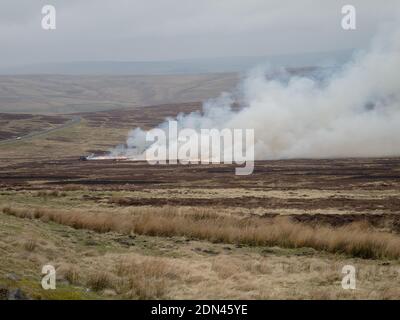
(30, 245)
(69, 273)
(147, 279)
(98, 281)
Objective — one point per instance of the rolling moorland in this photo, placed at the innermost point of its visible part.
(117, 229)
(44, 94)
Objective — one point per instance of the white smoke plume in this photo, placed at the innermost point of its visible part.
(355, 112)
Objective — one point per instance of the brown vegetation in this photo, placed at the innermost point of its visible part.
(357, 240)
(50, 193)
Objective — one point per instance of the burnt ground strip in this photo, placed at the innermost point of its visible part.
(337, 220)
(342, 174)
(389, 204)
(145, 117)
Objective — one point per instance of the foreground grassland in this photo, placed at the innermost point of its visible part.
(104, 248)
(134, 231)
(94, 262)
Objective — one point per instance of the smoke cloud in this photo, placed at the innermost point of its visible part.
(355, 112)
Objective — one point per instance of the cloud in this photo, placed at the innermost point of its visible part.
(173, 29)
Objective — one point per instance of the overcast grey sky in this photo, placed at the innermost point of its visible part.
(133, 30)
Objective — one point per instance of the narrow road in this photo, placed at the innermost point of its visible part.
(74, 120)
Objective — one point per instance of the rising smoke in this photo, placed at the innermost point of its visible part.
(355, 112)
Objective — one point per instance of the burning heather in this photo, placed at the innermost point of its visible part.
(105, 157)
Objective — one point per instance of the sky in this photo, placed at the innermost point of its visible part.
(157, 30)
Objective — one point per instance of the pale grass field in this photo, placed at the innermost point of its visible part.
(73, 141)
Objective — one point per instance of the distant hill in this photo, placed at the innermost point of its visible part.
(95, 86)
(86, 93)
(189, 66)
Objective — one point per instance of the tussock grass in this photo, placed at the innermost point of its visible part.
(69, 273)
(30, 245)
(357, 240)
(147, 279)
(99, 280)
